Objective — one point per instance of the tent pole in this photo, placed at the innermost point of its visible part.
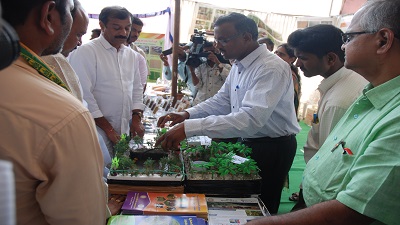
(175, 45)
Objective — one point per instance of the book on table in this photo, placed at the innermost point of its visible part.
(153, 203)
(238, 211)
(155, 220)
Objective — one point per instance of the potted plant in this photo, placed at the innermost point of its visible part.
(220, 168)
(181, 85)
(133, 161)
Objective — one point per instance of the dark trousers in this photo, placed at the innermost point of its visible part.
(274, 157)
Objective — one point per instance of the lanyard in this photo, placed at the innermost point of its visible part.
(35, 62)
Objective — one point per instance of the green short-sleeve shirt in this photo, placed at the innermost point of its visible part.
(368, 180)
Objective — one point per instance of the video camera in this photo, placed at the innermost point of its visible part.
(197, 39)
(9, 43)
(196, 54)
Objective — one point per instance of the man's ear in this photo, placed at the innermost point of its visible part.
(102, 26)
(385, 40)
(47, 17)
(247, 36)
(293, 59)
(331, 57)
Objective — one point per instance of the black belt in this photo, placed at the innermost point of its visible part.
(268, 139)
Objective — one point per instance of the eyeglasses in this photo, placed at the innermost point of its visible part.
(225, 41)
(346, 37)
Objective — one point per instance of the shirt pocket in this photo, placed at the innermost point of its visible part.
(336, 168)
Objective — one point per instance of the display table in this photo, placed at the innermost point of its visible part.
(123, 189)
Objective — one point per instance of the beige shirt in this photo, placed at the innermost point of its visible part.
(65, 72)
(337, 93)
(52, 142)
(211, 80)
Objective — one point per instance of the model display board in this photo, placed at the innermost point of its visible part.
(215, 168)
(220, 168)
(135, 162)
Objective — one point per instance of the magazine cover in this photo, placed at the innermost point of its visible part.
(235, 206)
(152, 220)
(227, 220)
(234, 211)
(147, 203)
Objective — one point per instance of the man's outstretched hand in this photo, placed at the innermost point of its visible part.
(172, 139)
(175, 118)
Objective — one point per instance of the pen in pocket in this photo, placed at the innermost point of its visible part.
(315, 118)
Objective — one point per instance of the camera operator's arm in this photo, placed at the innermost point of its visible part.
(167, 69)
(182, 56)
(164, 58)
(195, 79)
(215, 60)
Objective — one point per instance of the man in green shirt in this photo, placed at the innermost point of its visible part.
(354, 177)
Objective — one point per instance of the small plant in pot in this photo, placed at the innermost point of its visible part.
(220, 161)
(133, 163)
(221, 169)
(181, 85)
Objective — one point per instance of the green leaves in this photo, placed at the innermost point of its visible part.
(163, 130)
(218, 159)
(149, 166)
(125, 163)
(138, 140)
(122, 146)
(181, 85)
(115, 163)
(249, 167)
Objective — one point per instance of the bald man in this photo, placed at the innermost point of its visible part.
(64, 70)
(78, 29)
(59, 61)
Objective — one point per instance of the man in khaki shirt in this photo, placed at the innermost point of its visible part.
(46, 132)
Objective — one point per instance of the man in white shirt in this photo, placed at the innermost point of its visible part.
(109, 74)
(137, 25)
(255, 103)
(318, 51)
(210, 75)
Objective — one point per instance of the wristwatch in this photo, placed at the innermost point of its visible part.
(140, 114)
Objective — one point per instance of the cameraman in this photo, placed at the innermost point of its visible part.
(183, 69)
(209, 76)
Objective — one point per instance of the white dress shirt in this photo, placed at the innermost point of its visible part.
(65, 72)
(255, 101)
(7, 193)
(144, 69)
(110, 81)
(337, 92)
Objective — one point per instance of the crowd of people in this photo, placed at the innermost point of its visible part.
(64, 105)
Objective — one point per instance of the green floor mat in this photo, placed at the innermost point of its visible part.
(296, 172)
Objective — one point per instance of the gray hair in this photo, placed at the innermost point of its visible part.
(378, 14)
